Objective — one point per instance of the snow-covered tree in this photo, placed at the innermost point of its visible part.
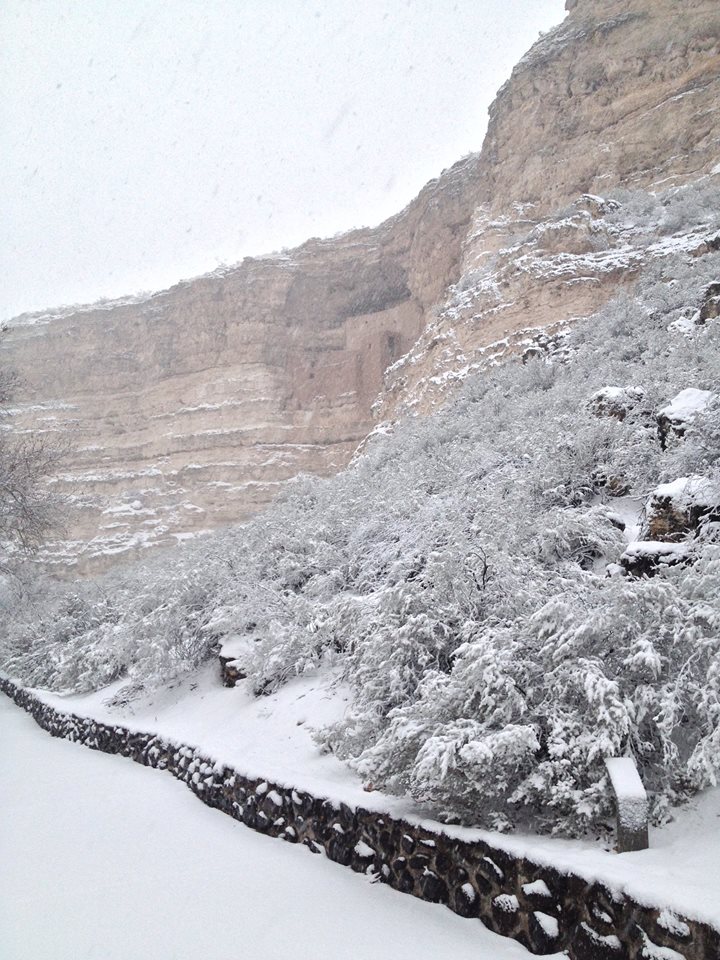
(27, 508)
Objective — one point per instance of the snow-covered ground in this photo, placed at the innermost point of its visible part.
(104, 859)
(270, 737)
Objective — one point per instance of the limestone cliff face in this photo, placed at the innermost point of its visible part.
(191, 409)
(624, 93)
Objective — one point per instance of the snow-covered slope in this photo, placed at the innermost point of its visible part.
(500, 620)
(272, 737)
(94, 867)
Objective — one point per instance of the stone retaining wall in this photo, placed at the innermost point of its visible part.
(546, 910)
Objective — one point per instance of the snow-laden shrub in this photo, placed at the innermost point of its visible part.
(682, 209)
(146, 625)
(455, 577)
(520, 726)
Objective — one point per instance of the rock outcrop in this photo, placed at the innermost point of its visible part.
(192, 408)
(624, 93)
(676, 510)
(674, 419)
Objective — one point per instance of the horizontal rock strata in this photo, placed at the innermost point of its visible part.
(622, 94)
(193, 408)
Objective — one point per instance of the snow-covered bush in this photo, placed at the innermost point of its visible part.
(683, 209)
(146, 624)
(455, 577)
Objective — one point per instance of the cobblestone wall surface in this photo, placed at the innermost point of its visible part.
(546, 910)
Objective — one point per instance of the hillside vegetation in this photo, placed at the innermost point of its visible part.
(489, 580)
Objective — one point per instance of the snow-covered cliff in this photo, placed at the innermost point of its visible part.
(191, 408)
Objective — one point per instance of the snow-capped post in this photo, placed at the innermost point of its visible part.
(631, 803)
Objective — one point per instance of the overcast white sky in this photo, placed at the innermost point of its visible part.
(144, 141)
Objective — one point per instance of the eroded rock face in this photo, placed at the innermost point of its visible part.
(624, 93)
(192, 408)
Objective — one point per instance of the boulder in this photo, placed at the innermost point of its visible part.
(675, 510)
(234, 652)
(615, 402)
(710, 309)
(674, 417)
(231, 671)
(644, 558)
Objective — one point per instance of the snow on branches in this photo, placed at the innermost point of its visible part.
(456, 577)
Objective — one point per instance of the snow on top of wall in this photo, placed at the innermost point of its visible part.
(270, 737)
(549, 924)
(538, 888)
(668, 921)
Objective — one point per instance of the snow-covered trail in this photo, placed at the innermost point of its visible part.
(101, 858)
